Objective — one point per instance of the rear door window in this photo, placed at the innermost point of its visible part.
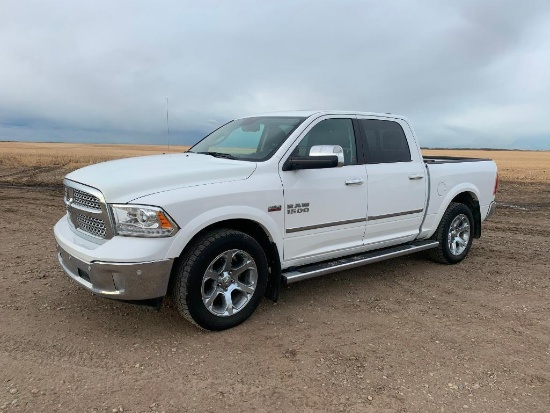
(386, 141)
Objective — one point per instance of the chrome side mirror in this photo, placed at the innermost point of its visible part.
(328, 150)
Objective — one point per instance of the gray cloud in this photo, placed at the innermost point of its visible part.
(468, 73)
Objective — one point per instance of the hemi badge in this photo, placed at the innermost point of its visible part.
(274, 208)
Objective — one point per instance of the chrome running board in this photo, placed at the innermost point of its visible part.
(326, 267)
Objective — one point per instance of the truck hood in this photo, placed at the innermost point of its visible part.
(124, 180)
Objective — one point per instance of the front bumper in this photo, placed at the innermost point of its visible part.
(122, 268)
(122, 281)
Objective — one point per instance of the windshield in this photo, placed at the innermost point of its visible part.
(248, 139)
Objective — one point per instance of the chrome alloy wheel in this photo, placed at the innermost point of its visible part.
(229, 282)
(459, 234)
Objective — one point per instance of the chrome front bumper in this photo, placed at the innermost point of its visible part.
(121, 281)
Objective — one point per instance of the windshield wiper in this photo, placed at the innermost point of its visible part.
(218, 155)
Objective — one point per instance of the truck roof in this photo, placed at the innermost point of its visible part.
(308, 113)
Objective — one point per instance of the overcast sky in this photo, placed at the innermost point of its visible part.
(466, 73)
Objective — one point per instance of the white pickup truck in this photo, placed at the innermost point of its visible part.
(265, 201)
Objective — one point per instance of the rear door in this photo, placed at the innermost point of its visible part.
(396, 180)
(325, 209)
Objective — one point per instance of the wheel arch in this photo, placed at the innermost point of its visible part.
(256, 231)
(472, 202)
(464, 194)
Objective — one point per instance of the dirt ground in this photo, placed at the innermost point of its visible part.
(406, 335)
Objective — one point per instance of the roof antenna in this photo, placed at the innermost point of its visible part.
(167, 125)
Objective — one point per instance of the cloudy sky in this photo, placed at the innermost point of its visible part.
(469, 73)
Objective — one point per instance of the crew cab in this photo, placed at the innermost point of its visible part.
(266, 201)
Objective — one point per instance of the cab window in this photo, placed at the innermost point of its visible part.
(331, 132)
(386, 141)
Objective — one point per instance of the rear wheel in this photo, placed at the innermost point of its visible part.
(455, 235)
(221, 279)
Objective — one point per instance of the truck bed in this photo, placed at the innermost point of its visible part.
(450, 175)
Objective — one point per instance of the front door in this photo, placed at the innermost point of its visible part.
(325, 209)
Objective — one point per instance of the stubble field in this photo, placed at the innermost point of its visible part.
(406, 335)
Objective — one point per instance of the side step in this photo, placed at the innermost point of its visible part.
(326, 267)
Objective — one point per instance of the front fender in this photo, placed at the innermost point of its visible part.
(214, 216)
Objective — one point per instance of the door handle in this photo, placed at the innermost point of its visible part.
(356, 181)
(417, 176)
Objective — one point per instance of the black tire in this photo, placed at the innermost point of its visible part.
(444, 252)
(209, 252)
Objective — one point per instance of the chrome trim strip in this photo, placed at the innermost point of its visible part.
(360, 260)
(84, 188)
(81, 208)
(414, 211)
(329, 224)
(428, 197)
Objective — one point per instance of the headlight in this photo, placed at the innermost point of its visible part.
(142, 221)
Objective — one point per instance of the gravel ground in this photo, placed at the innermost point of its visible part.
(406, 335)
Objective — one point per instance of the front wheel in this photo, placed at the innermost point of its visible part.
(454, 233)
(221, 279)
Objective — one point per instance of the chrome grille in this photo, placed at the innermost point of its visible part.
(87, 211)
(86, 200)
(91, 225)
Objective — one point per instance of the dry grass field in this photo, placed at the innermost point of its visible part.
(28, 163)
(405, 335)
(525, 166)
(25, 163)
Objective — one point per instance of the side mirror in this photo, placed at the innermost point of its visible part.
(320, 157)
(327, 150)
